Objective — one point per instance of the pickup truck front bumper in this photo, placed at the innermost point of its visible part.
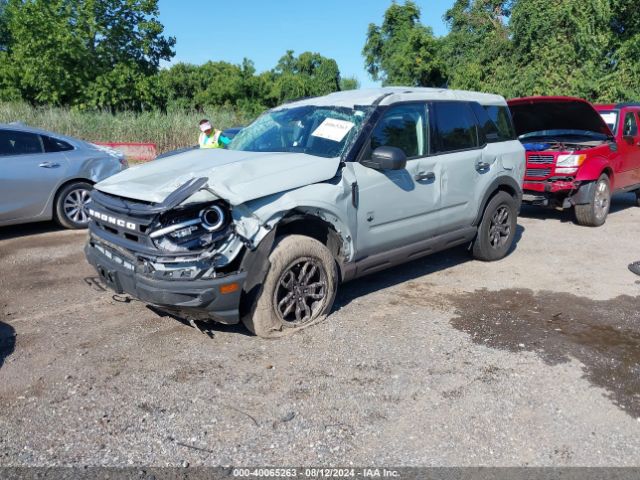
(563, 194)
(217, 298)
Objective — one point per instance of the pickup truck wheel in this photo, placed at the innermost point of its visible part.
(594, 213)
(638, 197)
(70, 207)
(497, 228)
(298, 291)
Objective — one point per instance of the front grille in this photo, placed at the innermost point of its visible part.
(538, 172)
(538, 159)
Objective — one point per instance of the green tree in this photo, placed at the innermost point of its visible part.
(309, 74)
(402, 50)
(349, 83)
(478, 47)
(622, 82)
(62, 50)
(560, 48)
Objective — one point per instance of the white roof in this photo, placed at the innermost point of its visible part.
(389, 95)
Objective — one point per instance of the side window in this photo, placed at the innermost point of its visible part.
(630, 125)
(456, 126)
(501, 117)
(404, 127)
(487, 128)
(13, 142)
(52, 145)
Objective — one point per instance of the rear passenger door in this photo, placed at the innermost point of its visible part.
(29, 175)
(459, 156)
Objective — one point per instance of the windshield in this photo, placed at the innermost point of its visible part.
(610, 117)
(314, 130)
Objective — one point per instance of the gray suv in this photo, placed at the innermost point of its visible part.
(312, 194)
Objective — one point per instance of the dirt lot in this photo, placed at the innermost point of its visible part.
(533, 360)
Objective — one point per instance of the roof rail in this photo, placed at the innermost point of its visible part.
(627, 104)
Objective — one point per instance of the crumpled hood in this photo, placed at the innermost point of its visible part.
(539, 114)
(233, 175)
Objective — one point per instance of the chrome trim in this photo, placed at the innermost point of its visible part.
(173, 228)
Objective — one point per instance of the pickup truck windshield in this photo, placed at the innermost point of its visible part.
(314, 130)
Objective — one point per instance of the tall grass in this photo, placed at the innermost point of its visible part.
(168, 131)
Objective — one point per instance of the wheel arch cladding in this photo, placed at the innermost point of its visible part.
(308, 224)
(500, 184)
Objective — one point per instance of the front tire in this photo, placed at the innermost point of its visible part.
(594, 213)
(497, 229)
(298, 291)
(71, 205)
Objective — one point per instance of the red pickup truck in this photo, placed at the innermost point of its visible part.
(578, 155)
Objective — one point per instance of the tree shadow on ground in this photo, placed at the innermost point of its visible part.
(409, 271)
(7, 341)
(15, 231)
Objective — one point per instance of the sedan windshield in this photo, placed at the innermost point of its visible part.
(314, 130)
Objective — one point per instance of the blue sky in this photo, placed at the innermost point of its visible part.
(262, 30)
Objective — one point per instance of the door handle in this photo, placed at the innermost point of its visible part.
(49, 165)
(420, 176)
(482, 165)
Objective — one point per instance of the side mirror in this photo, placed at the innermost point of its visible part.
(387, 158)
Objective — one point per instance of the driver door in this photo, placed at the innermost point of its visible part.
(630, 149)
(398, 207)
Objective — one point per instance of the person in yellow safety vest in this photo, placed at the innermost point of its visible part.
(210, 137)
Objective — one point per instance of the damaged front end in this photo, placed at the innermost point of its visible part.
(177, 254)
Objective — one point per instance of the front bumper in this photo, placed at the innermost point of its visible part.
(562, 194)
(199, 297)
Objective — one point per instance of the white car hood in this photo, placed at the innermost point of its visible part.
(233, 175)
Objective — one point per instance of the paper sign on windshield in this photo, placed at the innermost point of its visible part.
(333, 129)
(609, 118)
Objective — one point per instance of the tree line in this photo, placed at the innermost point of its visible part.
(108, 54)
(585, 48)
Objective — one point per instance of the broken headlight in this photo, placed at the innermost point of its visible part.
(191, 228)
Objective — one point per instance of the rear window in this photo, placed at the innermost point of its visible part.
(52, 145)
(501, 117)
(456, 127)
(13, 142)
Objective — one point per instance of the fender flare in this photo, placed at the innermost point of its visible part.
(593, 168)
(502, 181)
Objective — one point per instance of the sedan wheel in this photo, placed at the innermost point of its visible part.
(72, 205)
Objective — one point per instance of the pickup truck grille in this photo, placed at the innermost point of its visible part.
(538, 172)
(538, 159)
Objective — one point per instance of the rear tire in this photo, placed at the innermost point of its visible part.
(298, 291)
(594, 213)
(71, 205)
(497, 228)
(637, 192)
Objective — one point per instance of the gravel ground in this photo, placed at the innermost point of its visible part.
(533, 360)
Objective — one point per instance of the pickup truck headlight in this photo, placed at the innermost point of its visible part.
(569, 164)
(570, 160)
(190, 229)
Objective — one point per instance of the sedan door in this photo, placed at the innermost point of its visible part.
(397, 207)
(28, 176)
